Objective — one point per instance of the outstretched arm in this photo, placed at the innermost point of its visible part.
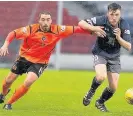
(78, 29)
(65, 31)
(98, 30)
(9, 38)
(4, 48)
(20, 33)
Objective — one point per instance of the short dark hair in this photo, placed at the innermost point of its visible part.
(44, 12)
(114, 7)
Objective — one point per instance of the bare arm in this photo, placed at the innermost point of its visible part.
(122, 42)
(95, 29)
(84, 25)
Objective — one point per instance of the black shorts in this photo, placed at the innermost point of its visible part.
(22, 65)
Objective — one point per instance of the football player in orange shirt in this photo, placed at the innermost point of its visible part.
(39, 41)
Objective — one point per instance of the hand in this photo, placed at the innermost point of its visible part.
(98, 30)
(98, 34)
(3, 50)
(117, 32)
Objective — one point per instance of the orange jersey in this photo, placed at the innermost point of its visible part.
(37, 45)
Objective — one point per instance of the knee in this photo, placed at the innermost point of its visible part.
(31, 78)
(10, 79)
(101, 77)
(28, 82)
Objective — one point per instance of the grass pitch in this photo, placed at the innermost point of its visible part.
(60, 93)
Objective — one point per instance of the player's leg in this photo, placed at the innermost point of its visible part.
(34, 72)
(19, 67)
(113, 77)
(101, 74)
(7, 82)
(21, 90)
(108, 91)
(15, 71)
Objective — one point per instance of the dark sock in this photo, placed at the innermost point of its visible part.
(95, 85)
(106, 95)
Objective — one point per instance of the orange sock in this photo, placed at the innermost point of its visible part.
(5, 87)
(22, 90)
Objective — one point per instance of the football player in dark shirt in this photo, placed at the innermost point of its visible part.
(106, 52)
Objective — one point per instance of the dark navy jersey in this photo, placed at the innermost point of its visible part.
(109, 46)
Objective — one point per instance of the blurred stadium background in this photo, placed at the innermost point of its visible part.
(73, 52)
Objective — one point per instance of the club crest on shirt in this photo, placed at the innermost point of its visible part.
(43, 39)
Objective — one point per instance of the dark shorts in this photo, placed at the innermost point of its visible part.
(21, 65)
(113, 64)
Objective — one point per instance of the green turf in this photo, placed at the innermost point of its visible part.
(60, 93)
